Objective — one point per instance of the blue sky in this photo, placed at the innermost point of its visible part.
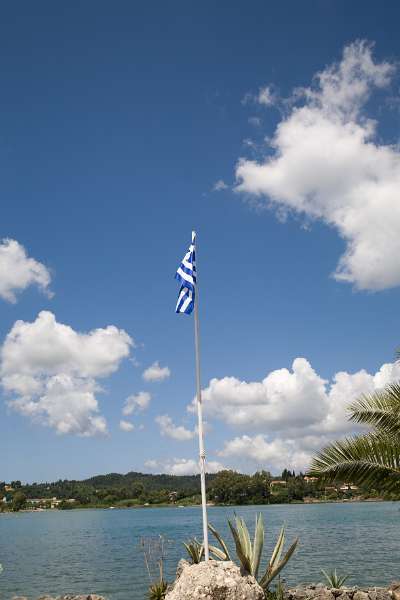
(122, 127)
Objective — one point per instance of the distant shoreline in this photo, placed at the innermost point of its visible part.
(175, 506)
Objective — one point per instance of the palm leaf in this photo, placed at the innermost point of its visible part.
(372, 459)
(380, 409)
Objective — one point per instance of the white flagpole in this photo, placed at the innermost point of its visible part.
(202, 454)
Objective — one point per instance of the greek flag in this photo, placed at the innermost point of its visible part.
(186, 275)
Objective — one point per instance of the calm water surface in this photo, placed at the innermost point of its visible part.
(98, 550)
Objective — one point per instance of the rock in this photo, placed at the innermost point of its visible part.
(379, 594)
(70, 597)
(394, 590)
(360, 595)
(301, 593)
(324, 594)
(345, 595)
(214, 580)
(181, 565)
(80, 597)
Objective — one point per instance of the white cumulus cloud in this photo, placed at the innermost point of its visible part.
(327, 162)
(290, 413)
(266, 96)
(282, 399)
(219, 186)
(176, 432)
(136, 402)
(156, 373)
(18, 271)
(126, 425)
(51, 372)
(277, 454)
(182, 466)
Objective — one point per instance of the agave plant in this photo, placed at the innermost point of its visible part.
(154, 552)
(279, 593)
(334, 579)
(250, 554)
(195, 550)
(221, 553)
(158, 590)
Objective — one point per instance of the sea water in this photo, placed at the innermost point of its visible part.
(99, 551)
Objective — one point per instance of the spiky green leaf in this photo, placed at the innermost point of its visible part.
(276, 554)
(334, 580)
(219, 554)
(221, 542)
(271, 573)
(258, 545)
(240, 548)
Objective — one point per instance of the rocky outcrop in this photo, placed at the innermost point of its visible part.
(321, 592)
(65, 597)
(214, 580)
(217, 580)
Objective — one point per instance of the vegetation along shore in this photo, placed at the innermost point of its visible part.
(141, 489)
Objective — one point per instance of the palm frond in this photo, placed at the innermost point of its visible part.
(380, 409)
(371, 459)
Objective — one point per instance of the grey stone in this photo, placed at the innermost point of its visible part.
(214, 580)
(360, 595)
(72, 597)
(301, 593)
(324, 594)
(394, 590)
(345, 595)
(379, 594)
(181, 565)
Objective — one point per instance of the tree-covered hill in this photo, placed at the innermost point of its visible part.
(113, 488)
(179, 483)
(135, 489)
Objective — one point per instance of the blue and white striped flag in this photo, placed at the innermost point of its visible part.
(186, 275)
